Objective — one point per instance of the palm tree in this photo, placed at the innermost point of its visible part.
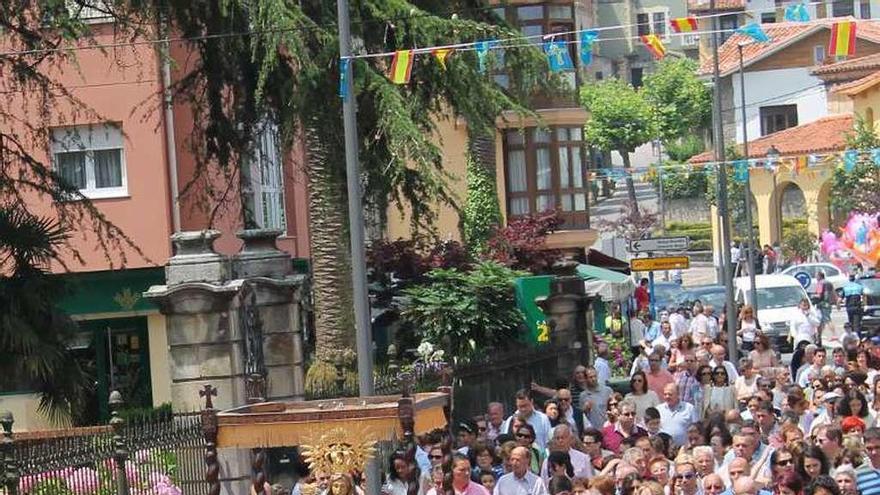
(34, 333)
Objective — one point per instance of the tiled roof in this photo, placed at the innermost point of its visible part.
(703, 5)
(859, 85)
(782, 34)
(826, 134)
(854, 64)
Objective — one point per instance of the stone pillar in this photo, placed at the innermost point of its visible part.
(231, 323)
(566, 309)
(768, 218)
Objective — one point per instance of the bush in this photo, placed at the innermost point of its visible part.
(481, 215)
(520, 245)
(466, 312)
(797, 244)
(409, 260)
(701, 245)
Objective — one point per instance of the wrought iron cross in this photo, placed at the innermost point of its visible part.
(207, 392)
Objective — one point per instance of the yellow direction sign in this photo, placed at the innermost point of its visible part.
(665, 263)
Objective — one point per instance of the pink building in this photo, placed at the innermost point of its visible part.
(125, 156)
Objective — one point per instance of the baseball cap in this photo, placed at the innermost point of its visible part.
(875, 340)
(830, 396)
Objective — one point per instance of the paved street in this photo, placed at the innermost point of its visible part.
(608, 209)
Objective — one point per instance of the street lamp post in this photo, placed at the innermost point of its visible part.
(753, 294)
(772, 155)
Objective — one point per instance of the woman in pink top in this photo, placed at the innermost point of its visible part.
(461, 478)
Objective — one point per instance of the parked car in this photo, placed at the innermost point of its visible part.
(665, 294)
(714, 295)
(778, 300)
(833, 274)
(871, 316)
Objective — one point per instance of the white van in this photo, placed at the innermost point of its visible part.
(778, 300)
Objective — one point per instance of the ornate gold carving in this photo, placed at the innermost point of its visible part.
(339, 451)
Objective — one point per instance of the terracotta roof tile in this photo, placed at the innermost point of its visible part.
(861, 63)
(703, 5)
(823, 135)
(855, 87)
(781, 35)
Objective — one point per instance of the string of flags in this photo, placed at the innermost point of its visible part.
(794, 165)
(559, 56)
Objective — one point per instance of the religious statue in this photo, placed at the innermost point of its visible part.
(339, 452)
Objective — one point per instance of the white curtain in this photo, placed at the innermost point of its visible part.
(108, 168)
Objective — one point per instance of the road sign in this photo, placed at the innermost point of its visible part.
(675, 244)
(804, 278)
(665, 263)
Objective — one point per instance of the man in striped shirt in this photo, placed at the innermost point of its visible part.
(868, 474)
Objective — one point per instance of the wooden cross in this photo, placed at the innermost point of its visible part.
(207, 392)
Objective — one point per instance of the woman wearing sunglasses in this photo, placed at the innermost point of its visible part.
(720, 395)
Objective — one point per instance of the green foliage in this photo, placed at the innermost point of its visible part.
(798, 243)
(681, 150)
(482, 213)
(681, 102)
(701, 245)
(620, 117)
(696, 231)
(859, 189)
(466, 312)
(736, 195)
(679, 183)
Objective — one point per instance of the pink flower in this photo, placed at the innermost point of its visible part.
(166, 488)
(83, 481)
(157, 478)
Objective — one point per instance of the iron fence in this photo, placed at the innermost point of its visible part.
(161, 455)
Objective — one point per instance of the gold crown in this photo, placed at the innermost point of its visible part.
(339, 451)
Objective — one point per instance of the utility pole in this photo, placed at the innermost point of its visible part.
(356, 233)
(723, 215)
(753, 294)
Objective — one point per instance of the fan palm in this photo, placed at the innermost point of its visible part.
(33, 332)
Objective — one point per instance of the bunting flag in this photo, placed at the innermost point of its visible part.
(755, 31)
(850, 157)
(587, 38)
(558, 56)
(797, 13)
(684, 24)
(800, 164)
(441, 54)
(654, 45)
(344, 68)
(812, 161)
(401, 66)
(482, 48)
(875, 156)
(741, 171)
(770, 165)
(843, 39)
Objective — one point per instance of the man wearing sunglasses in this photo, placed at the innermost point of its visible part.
(685, 478)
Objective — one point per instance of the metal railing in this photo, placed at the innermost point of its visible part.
(161, 455)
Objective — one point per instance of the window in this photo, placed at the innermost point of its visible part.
(842, 8)
(659, 26)
(643, 23)
(91, 159)
(546, 169)
(865, 9)
(728, 24)
(818, 54)
(599, 75)
(265, 193)
(777, 118)
(768, 17)
(89, 11)
(652, 21)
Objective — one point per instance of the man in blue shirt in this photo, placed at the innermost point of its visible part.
(868, 474)
(853, 298)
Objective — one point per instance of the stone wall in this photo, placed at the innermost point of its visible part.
(688, 210)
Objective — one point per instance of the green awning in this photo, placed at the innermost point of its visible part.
(609, 285)
(590, 272)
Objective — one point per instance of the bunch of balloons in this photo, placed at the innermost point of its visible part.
(858, 242)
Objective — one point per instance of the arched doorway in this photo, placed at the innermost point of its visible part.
(791, 206)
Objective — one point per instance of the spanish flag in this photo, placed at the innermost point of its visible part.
(441, 54)
(401, 66)
(654, 45)
(683, 24)
(800, 164)
(843, 39)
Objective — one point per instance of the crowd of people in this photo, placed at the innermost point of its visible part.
(691, 422)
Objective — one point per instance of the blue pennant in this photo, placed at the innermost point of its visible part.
(755, 31)
(558, 56)
(875, 156)
(741, 171)
(850, 157)
(482, 48)
(587, 38)
(344, 72)
(797, 13)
